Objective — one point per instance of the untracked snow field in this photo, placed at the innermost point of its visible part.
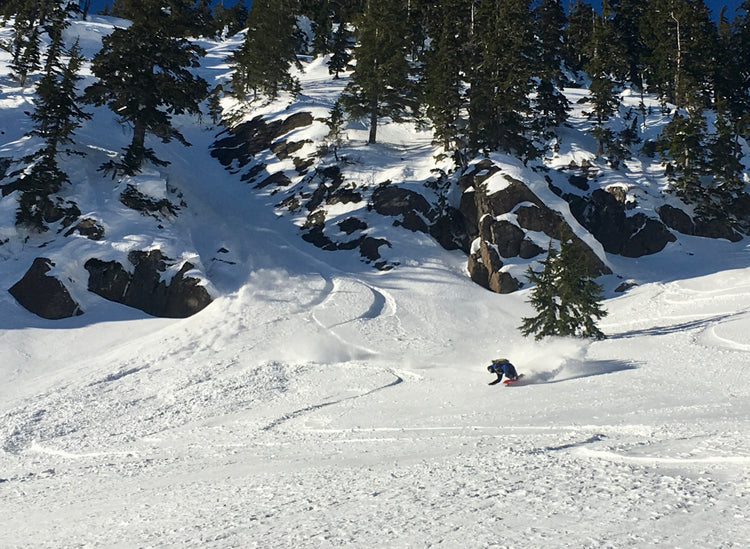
(318, 402)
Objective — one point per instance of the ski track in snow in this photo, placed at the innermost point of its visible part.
(316, 405)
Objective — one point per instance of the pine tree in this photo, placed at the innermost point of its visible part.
(606, 65)
(683, 148)
(543, 299)
(566, 299)
(580, 296)
(229, 21)
(380, 85)
(502, 79)
(263, 63)
(335, 125)
(577, 33)
(56, 116)
(627, 23)
(550, 106)
(323, 26)
(26, 43)
(340, 54)
(144, 77)
(724, 164)
(680, 41)
(738, 99)
(549, 28)
(443, 80)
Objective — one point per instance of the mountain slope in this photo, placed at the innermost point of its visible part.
(321, 402)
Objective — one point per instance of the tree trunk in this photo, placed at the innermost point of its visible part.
(136, 152)
(678, 70)
(373, 121)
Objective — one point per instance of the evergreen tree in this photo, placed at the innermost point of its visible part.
(262, 64)
(443, 81)
(567, 300)
(229, 21)
(543, 299)
(724, 163)
(580, 296)
(144, 77)
(606, 65)
(340, 54)
(627, 23)
(683, 148)
(322, 20)
(549, 28)
(577, 33)
(25, 46)
(335, 125)
(56, 116)
(738, 98)
(550, 106)
(680, 41)
(380, 85)
(502, 79)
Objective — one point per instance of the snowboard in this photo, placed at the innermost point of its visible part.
(509, 382)
(506, 382)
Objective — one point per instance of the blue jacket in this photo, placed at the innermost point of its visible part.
(506, 368)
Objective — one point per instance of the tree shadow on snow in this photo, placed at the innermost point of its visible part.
(673, 328)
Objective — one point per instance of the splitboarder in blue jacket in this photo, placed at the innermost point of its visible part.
(502, 366)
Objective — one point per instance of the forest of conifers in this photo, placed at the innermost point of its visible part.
(484, 75)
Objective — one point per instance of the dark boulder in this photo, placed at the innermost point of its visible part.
(540, 219)
(369, 247)
(717, 228)
(279, 179)
(136, 200)
(478, 271)
(89, 228)
(352, 224)
(484, 268)
(411, 207)
(490, 257)
(44, 295)
(507, 238)
(502, 282)
(579, 181)
(449, 229)
(605, 218)
(144, 289)
(248, 139)
(515, 193)
(528, 249)
(676, 219)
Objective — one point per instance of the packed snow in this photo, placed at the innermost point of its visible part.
(318, 402)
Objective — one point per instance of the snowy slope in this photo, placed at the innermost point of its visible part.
(321, 403)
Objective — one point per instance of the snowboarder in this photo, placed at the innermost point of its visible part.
(502, 366)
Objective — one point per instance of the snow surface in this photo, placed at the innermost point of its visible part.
(321, 403)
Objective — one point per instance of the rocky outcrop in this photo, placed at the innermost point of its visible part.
(605, 217)
(136, 200)
(411, 208)
(87, 227)
(44, 295)
(503, 223)
(254, 136)
(681, 222)
(144, 288)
